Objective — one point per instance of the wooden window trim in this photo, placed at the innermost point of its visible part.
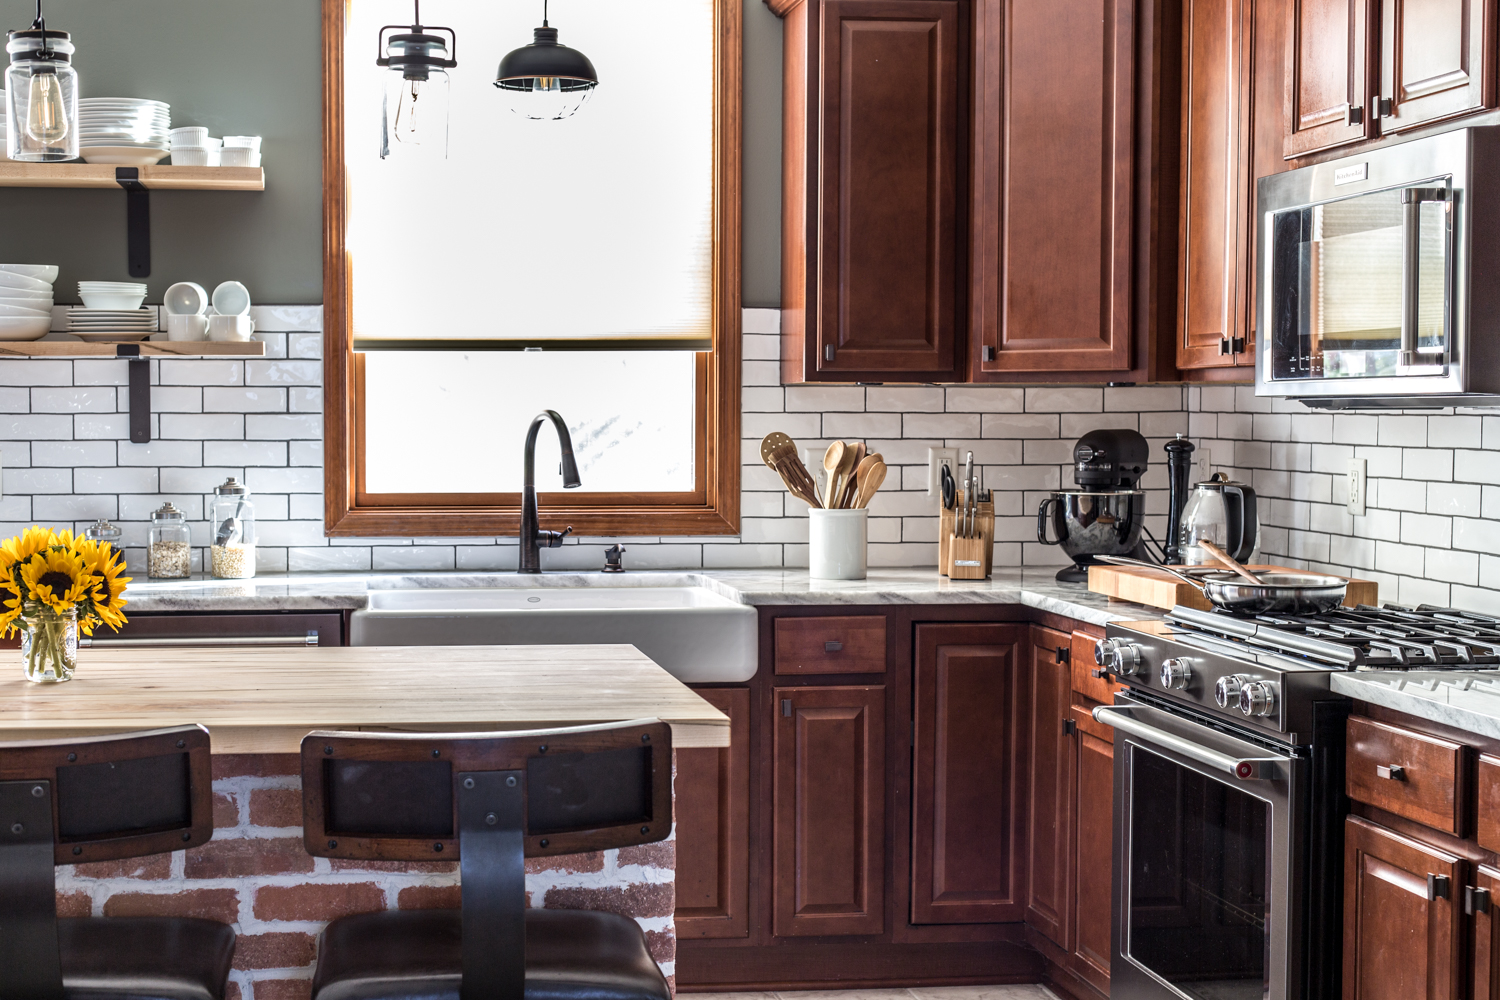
(713, 508)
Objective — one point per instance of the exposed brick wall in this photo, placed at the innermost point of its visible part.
(256, 875)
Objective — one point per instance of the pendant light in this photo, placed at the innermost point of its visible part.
(41, 93)
(545, 80)
(414, 116)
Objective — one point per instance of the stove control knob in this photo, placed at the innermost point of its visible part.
(1175, 673)
(1227, 690)
(1118, 656)
(1258, 698)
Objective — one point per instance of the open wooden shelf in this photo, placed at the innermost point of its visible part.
(158, 178)
(148, 349)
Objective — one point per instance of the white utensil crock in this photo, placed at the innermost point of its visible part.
(837, 543)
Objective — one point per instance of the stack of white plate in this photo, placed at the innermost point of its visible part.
(114, 296)
(126, 131)
(111, 324)
(26, 300)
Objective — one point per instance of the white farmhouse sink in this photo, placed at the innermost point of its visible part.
(693, 633)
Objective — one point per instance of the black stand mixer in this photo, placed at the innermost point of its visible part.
(1106, 514)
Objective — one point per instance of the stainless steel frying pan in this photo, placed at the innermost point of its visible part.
(1281, 593)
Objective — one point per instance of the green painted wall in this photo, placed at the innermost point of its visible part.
(253, 67)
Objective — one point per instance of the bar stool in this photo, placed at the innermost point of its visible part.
(490, 801)
(103, 798)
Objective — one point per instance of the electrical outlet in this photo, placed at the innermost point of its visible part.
(936, 459)
(1203, 465)
(1356, 502)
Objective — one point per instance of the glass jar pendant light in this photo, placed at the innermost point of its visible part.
(545, 80)
(414, 116)
(41, 86)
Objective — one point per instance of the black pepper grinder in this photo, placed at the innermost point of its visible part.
(1179, 471)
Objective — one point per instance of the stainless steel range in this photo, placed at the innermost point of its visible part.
(1229, 790)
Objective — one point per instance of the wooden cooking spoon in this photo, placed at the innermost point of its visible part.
(1230, 561)
(851, 481)
(870, 482)
(832, 459)
(779, 452)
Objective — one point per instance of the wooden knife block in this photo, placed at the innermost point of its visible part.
(967, 558)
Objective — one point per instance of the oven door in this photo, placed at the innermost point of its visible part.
(1206, 893)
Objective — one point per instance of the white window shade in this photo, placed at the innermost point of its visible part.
(591, 232)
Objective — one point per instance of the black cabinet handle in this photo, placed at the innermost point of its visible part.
(832, 646)
(1437, 887)
(1070, 728)
(786, 707)
(1061, 653)
(1476, 900)
(1394, 772)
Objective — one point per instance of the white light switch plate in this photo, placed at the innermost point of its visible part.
(936, 459)
(1356, 501)
(1203, 465)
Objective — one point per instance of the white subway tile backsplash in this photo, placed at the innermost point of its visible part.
(64, 453)
(202, 426)
(984, 399)
(48, 426)
(196, 371)
(283, 372)
(941, 425)
(904, 398)
(1045, 399)
(224, 399)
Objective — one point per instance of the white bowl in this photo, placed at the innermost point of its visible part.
(231, 298)
(101, 300)
(188, 156)
(242, 142)
(186, 298)
(190, 135)
(17, 297)
(10, 279)
(24, 327)
(41, 272)
(117, 286)
(122, 156)
(7, 309)
(239, 156)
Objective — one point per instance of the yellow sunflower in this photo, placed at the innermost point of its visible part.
(27, 544)
(10, 603)
(56, 578)
(108, 590)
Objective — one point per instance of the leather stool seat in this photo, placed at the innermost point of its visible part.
(144, 958)
(416, 955)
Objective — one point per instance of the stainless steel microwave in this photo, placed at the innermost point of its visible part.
(1379, 276)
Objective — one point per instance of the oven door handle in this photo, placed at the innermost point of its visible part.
(1243, 768)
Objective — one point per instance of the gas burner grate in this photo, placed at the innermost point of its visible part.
(1363, 638)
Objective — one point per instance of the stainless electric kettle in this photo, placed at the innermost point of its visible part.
(1221, 512)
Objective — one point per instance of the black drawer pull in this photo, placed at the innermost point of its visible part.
(832, 646)
(1062, 654)
(1070, 728)
(1476, 900)
(786, 707)
(1437, 887)
(1394, 772)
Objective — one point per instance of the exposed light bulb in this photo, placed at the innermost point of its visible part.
(542, 98)
(46, 112)
(405, 128)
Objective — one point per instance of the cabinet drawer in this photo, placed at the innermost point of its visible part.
(1081, 659)
(1411, 774)
(846, 645)
(1488, 805)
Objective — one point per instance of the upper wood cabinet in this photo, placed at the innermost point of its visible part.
(1052, 240)
(1327, 73)
(965, 774)
(1437, 60)
(873, 133)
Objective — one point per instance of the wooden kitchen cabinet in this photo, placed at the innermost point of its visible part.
(1481, 898)
(1328, 73)
(829, 811)
(965, 745)
(1093, 790)
(1052, 241)
(1437, 60)
(1050, 811)
(1403, 908)
(874, 131)
(712, 814)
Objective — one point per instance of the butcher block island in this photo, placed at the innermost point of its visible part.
(258, 704)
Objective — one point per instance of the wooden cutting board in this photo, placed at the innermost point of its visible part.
(1158, 589)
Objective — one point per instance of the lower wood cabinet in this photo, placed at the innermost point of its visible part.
(1480, 901)
(713, 827)
(1403, 908)
(829, 812)
(965, 749)
(1093, 842)
(1049, 894)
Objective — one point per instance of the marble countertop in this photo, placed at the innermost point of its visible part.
(339, 591)
(1464, 699)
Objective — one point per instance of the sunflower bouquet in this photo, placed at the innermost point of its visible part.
(53, 583)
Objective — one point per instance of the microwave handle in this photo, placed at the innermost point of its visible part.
(1411, 268)
(1243, 768)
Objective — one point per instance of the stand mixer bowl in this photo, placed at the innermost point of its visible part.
(1091, 523)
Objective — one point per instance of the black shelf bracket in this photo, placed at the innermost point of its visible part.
(140, 392)
(137, 224)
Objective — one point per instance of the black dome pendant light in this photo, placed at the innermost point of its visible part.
(545, 80)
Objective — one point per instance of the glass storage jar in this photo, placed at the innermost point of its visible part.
(41, 90)
(232, 521)
(169, 546)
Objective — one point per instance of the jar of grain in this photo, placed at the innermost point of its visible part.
(169, 546)
(232, 520)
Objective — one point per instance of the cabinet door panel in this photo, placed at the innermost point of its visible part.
(962, 793)
(713, 827)
(1487, 936)
(1053, 185)
(889, 80)
(1095, 782)
(1215, 189)
(829, 840)
(1433, 62)
(1049, 817)
(1327, 74)
(1398, 943)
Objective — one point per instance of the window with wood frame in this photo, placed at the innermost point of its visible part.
(588, 265)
